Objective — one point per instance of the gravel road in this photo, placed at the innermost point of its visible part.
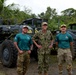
(53, 70)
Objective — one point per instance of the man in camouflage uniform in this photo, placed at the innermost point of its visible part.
(23, 43)
(64, 40)
(44, 41)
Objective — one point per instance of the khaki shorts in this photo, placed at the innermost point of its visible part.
(64, 54)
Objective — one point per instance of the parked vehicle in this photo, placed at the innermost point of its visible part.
(8, 52)
(72, 31)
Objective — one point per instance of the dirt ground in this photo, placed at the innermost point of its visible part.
(53, 70)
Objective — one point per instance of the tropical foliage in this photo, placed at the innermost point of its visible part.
(12, 14)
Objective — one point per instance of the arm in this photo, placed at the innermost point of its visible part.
(71, 46)
(31, 47)
(56, 40)
(51, 45)
(52, 40)
(39, 46)
(36, 38)
(16, 44)
(56, 43)
(71, 41)
(20, 51)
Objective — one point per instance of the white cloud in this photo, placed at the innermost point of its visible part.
(38, 6)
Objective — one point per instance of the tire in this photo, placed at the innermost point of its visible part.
(8, 54)
(73, 50)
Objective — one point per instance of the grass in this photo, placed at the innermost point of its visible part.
(53, 59)
(2, 73)
(74, 63)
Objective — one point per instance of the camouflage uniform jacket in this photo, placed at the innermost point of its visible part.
(44, 40)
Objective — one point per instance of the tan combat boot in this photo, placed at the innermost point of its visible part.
(45, 73)
(60, 69)
(69, 69)
(40, 74)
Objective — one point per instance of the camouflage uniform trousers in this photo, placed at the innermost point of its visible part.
(23, 63)
(65, 54)
(43, 63)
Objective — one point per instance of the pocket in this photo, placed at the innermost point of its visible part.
(20, 58)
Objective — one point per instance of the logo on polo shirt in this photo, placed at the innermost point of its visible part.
(67, 37)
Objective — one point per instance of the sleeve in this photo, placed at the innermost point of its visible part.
(16, 38)
(35, 37)
(31, 42)
(51, 37)
(56, 39)
(70, 38)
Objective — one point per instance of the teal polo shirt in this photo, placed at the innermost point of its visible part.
(24, 41)
(64, 40)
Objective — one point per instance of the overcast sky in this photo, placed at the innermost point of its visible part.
(38, 6)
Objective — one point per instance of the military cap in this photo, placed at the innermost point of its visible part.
(44, 23)
(25, 26)
(63, 25)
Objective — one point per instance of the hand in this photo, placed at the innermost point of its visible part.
(29, 51)
(50, 46)
(39, 46)
(21, 52)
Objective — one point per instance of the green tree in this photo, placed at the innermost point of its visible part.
(50, 13)
(1, 5)
(69, 12)
(68, 16)
(13, 14)
(41, 15)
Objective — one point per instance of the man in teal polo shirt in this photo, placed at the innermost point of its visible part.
(64, 40)
(23, 43)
